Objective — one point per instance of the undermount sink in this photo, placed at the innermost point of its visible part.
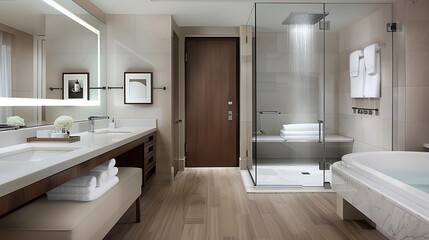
(111, 131)
(34, 154)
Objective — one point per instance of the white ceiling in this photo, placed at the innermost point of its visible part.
(200, 12)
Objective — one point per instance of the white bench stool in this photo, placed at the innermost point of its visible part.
(43, 219)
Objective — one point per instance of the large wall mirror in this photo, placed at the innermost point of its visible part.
(44, 52)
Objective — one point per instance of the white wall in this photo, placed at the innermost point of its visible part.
(142, 43)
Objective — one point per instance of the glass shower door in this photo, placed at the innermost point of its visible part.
(289, 94)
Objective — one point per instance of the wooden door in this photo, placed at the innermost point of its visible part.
(212, 75)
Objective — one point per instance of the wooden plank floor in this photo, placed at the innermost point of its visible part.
(211, 203)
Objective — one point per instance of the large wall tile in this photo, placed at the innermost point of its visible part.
(416, 104)
(418, 70)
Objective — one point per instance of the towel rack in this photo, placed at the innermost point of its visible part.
(160, 88)
(366, 111)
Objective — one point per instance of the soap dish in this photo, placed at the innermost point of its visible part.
(70, 139)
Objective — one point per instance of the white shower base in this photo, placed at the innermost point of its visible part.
(291, 175)
(279, 175)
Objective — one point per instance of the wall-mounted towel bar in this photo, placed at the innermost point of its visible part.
(55, 88)
(160, 88)
(97, 88)
(110, 88)
(366, 111)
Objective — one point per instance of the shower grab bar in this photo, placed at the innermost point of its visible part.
(320, 131)
(271, 112)
(260, 118)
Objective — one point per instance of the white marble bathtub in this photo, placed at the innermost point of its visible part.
(390, 188)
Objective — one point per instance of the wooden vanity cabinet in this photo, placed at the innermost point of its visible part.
(149, 162)
(138, 153)
(142, 156)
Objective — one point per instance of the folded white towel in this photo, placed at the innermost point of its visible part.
(82, 181)
(72, 190)
(98, 192)
(100, 176)
(357, 82)
(354, 62)
(373, 82)
(370, 59)
(301, 127)
(300, 133)
(107, 165)
(298, 138)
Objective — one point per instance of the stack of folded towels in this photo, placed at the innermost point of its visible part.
(89, 186)
(300, 130)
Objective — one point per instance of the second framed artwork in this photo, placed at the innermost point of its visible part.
(138, 87)
(76, 86)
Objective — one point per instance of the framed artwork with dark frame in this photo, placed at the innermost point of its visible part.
(76, 86)
(138, 87)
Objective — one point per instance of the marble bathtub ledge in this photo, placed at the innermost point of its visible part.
(16, 175)
(418, 211)
(388, 210)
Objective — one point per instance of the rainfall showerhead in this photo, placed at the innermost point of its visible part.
(304, 18)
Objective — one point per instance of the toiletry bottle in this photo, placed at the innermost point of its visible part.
(112, 123)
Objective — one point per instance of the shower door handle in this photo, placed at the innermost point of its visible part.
(320, 131)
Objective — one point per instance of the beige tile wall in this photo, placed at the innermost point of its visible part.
(245, 97)
(143, 43)
(280, 87)
(369, 132)
(417, 74)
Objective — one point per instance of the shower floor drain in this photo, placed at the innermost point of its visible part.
(305, 173)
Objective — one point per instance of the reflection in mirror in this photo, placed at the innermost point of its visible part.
(39, 44)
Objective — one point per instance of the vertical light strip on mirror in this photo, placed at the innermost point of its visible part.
(82, 22)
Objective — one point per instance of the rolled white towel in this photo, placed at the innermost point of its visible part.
(112, 173)
(98, 192)
(82, 181)
(104, 175)
(100, 176)
(107, 165)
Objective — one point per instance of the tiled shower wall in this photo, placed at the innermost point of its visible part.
(370, 132)
(300, 100)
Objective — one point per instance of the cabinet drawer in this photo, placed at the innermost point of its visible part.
(149, 160)
(149, 148)
(150, 139)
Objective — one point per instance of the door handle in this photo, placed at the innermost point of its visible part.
(178, 121)
(229, 115)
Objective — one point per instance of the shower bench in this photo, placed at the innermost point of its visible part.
(328, 138)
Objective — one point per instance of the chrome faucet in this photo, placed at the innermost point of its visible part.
(91, 121)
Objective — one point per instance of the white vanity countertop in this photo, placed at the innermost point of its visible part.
(18, 174)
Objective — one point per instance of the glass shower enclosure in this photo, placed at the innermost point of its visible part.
(301, 91)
